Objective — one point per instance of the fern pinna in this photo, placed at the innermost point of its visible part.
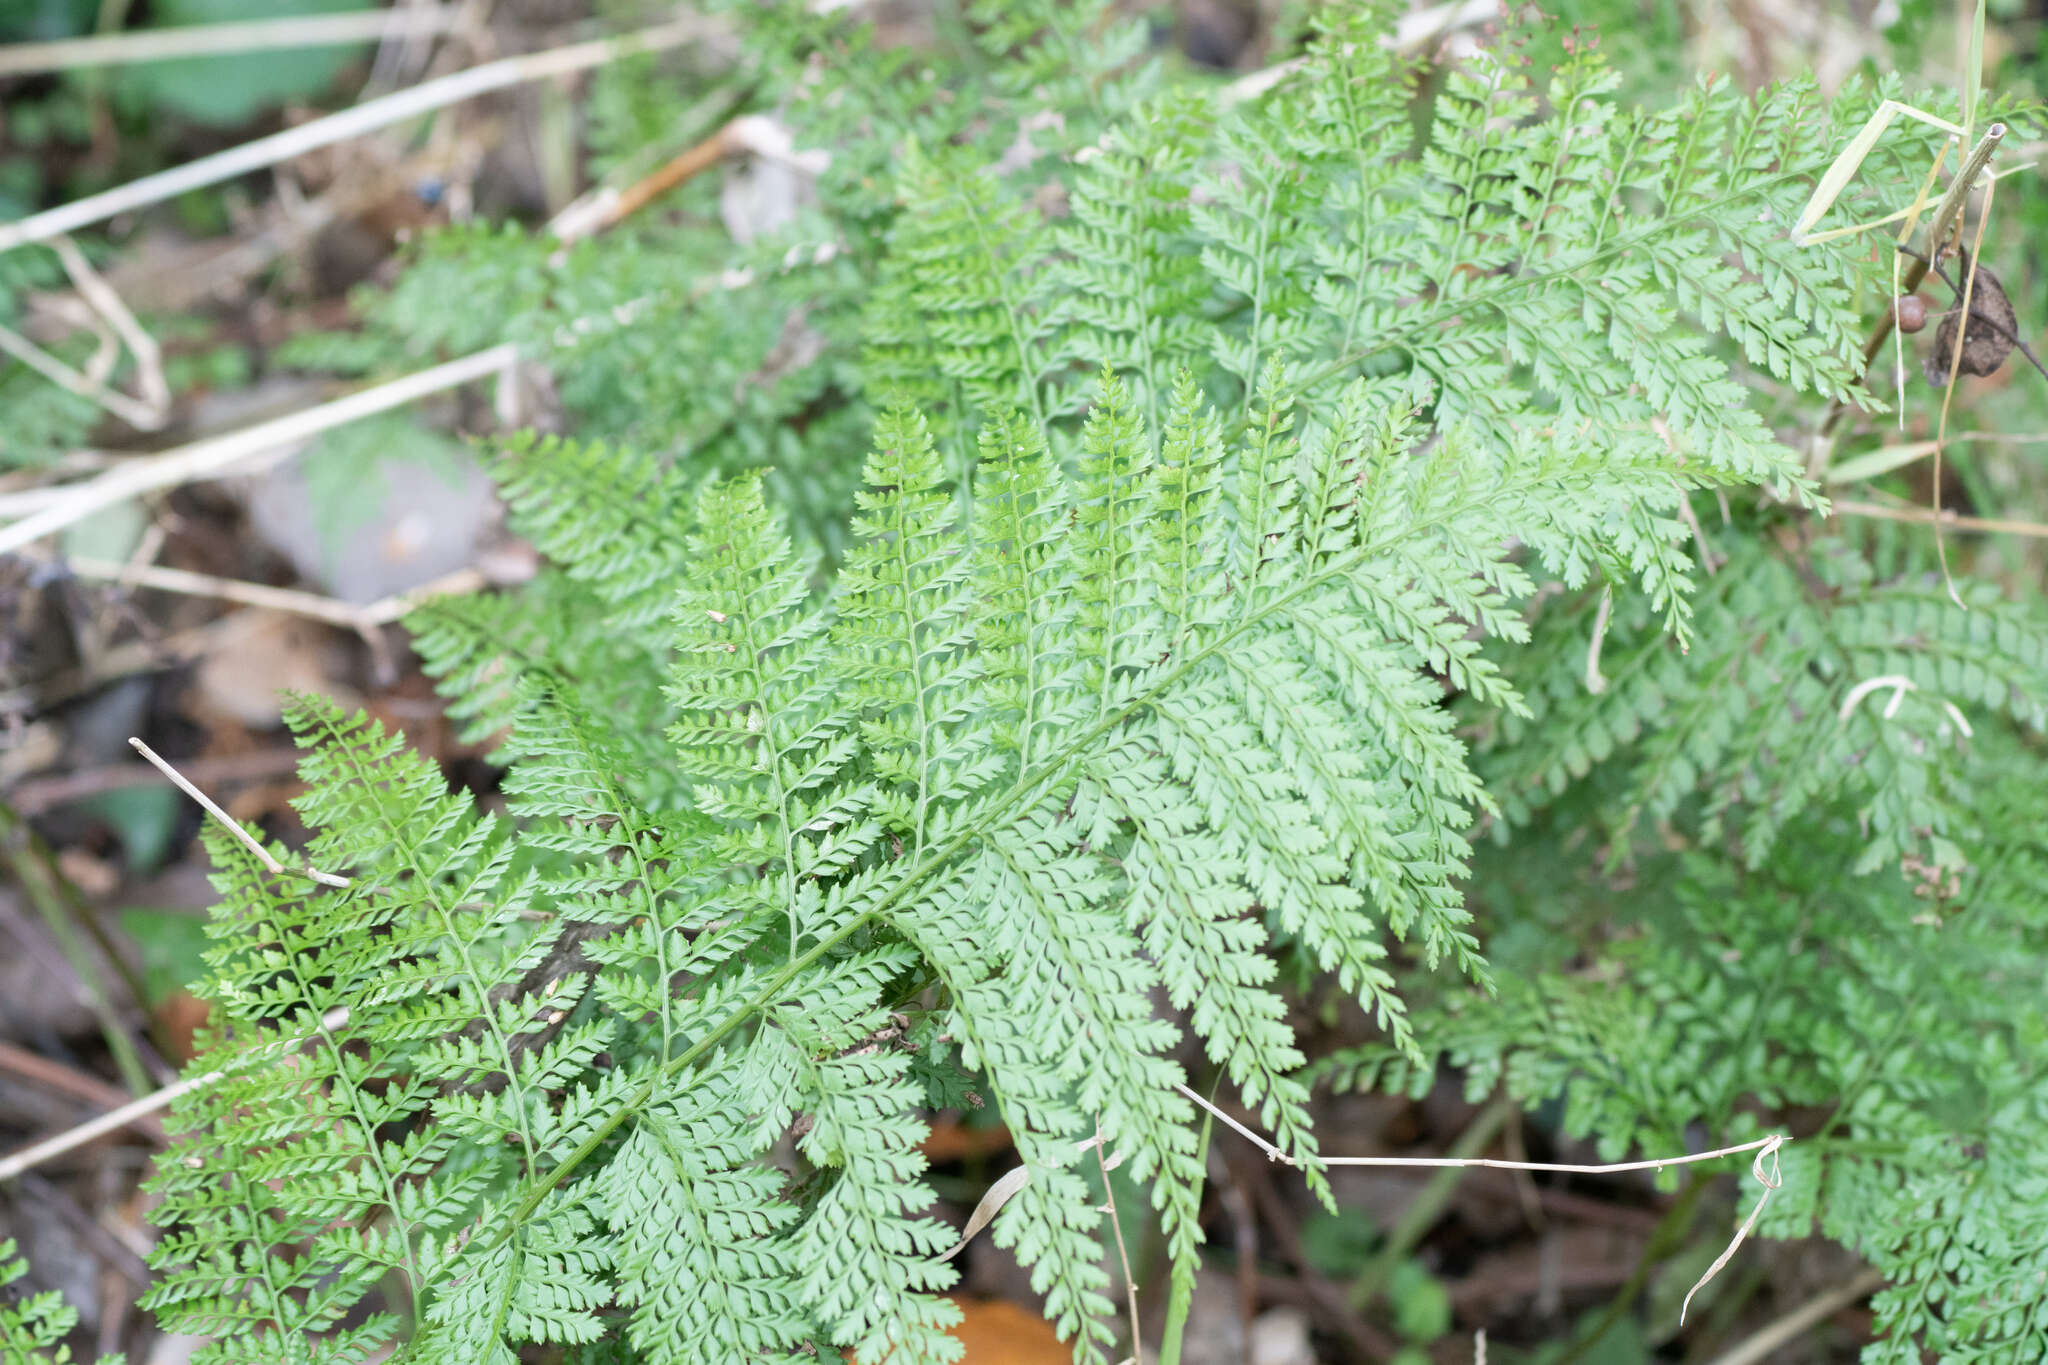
(1185, 516)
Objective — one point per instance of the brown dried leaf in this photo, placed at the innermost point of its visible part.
(997, 1332)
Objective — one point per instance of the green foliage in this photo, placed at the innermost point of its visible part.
(224, 91)
(32, 1326)
(1229, 545)
(1826, 817)
(673, 342)
(1727, 736)
(44, 420)
(1879, 1002)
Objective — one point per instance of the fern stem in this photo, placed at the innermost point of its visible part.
(1256, 529)
(713, 1036)
(1630, 141)
(1566, 127)
(1355, 118)
(1180, 1302)
(508, 1285)
(907, 599)
(1027, 371)
(1868, 1071)
(1025, 791)
(771, 732)
(643, 879)
(1251, 369)
(1495, 75)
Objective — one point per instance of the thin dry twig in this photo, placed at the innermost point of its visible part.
(1763, 1146)
(1992, 525)
(77, 1084)
(403, 57)
(362, 618)
(47, 510)
(234, 826)
(1766, 1149)
(1954, 361)
(1900, 685)
(103, 299)
(213, 40)
(98, 307)
(605, 205)
(1116, 1228)
(1596, 681)
(126, 1116)
(1771, 1181)
(340, 127)
(1709, 561)
(37, 795)
(219, 454)
(2009, 438)
(136, 414)
(602, 207)
(1005, 1189)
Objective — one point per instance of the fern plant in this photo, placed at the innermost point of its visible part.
(1203, 531)
(33, 1326)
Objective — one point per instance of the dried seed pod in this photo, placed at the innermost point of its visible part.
(1987, 341)
(1910, 312)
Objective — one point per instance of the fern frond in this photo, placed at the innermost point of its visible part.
(808, 829)
(871, 1271)
(956, 320)
(33, 1326)
(759, 728)
(700, 1226)
(609, 519)
(1812, 720)
(1129, 286)
(614, 526)
(1081, 56)
(903, 619)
